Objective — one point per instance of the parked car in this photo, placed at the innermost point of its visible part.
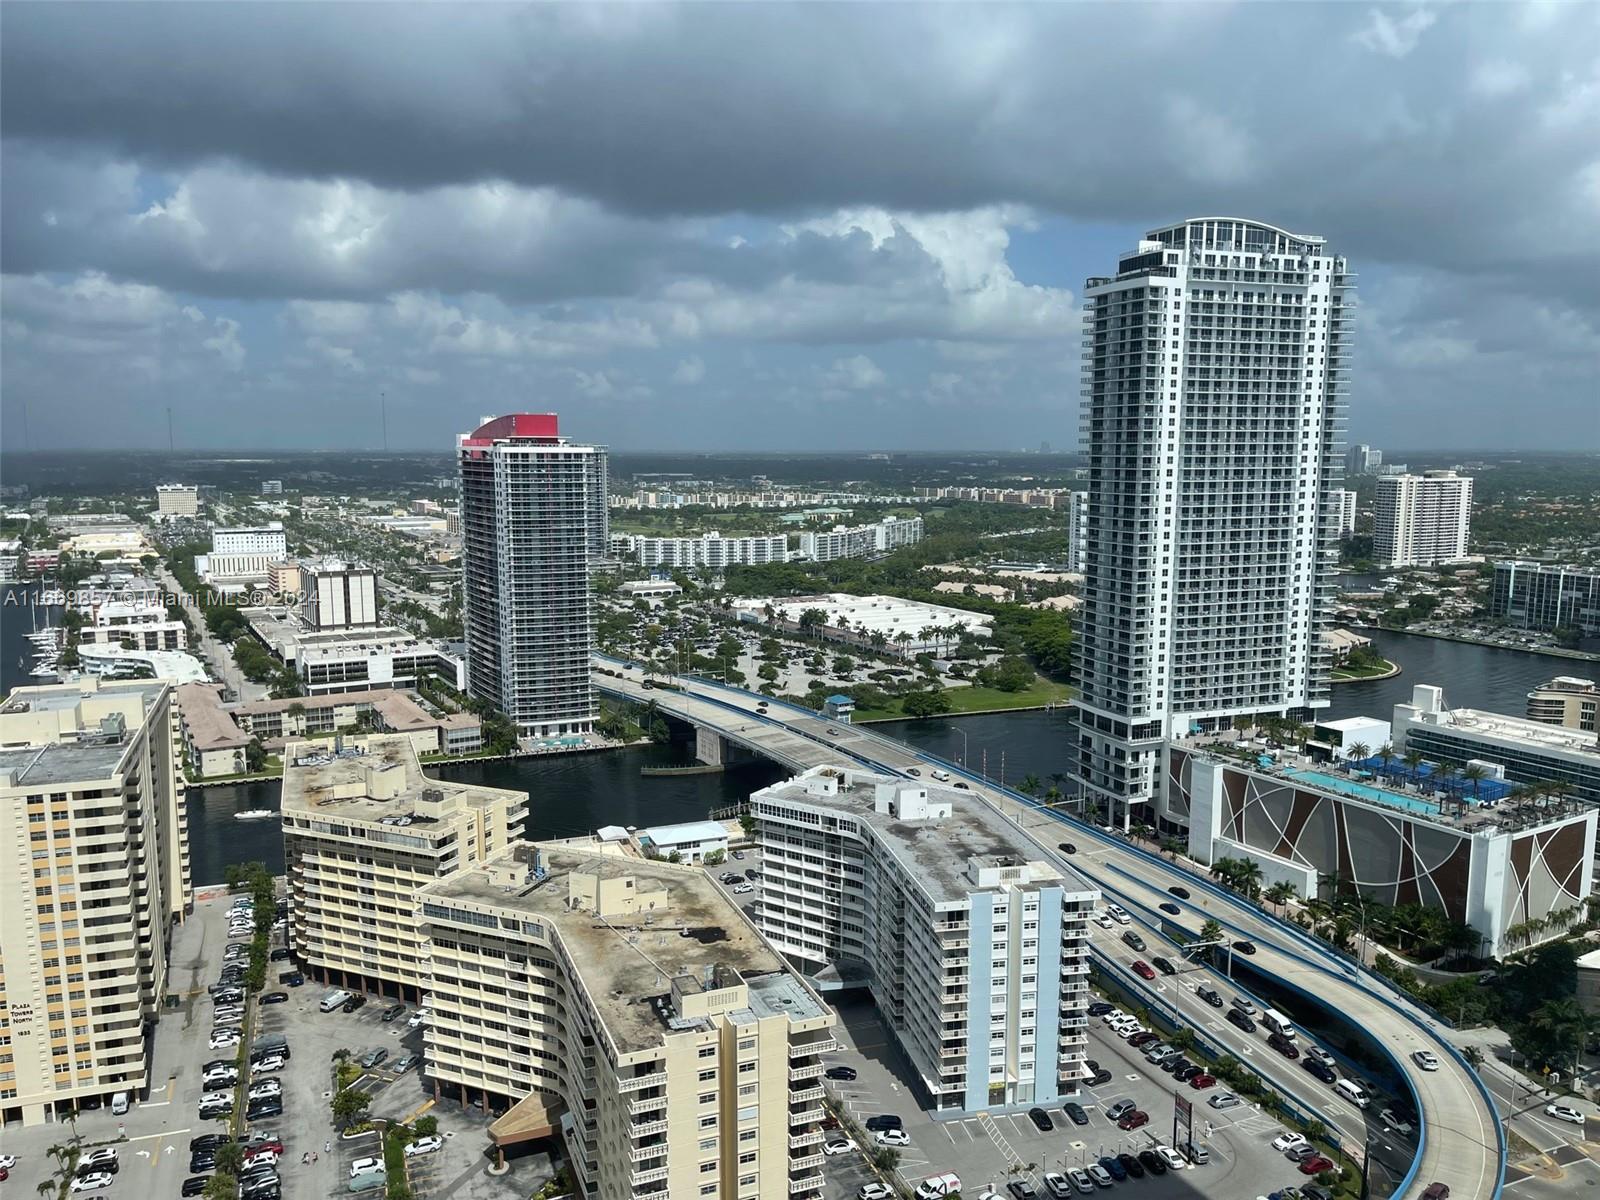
(193, 1186)
(404, 1063)
(892, 1137)
(1041, 1120)
(1171, 1157)
(1101, 1175)
(417, 1019)
(354, 1003)
(1119, 1109)
(104, 1158)
(1195, 1153)
(1289, 1139)
(1224, 1100)
(292, 979)
(424, 1145)
(1316, 1165)
(1022, 1190)
(875, 1191)
(274, 998)
(1151, 1162)
(1134, 1120)
(1131, 1166)
(392, 1012)
(373, 1057)
(1056, 1184)
(1113, 1167)
(883, 1121)
(845, 1074)
(271, 1106)
(1101, 1007)
(92, 1182)
(362, 1165)
(207, 1141)
(272, 1062)
(838, 1145)
(1075, 1112)
(279, 954)
(1206, 1080)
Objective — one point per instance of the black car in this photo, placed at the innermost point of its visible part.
(1245, 947)
(844, 1073)
(204, 1161)
(1133, 940)
(1167, 906)
(291, 979)
(1041, 1119)
(884, 1121)
(1075, 1111)
(1066, 848)
(1210, 995)
(1131, 1165)
(1152, 1162)
(270, 1106)
(1101, 1077)
(194, 1185)
(393, 1011)
(281, 954)
(274, 998)
(1188, 1073)
(208, 1141)
(1242, 1021)
(354, 1003)
(1175, 1064)
(111, 1166)
(1162, 965)
(1320, 1070)
(1100, 1008)
(1182, 893)
(1022, 1189)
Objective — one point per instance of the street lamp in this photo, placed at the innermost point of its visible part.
(963, 734)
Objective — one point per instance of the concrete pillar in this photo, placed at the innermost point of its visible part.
(708, 747)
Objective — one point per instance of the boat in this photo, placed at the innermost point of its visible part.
(255, 814)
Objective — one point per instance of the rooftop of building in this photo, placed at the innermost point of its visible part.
(936, 852)
(375, 778)
(1481, 722)
(685, 832)
(1567, 683)
(283, 630)
(65, 733)
(628, 964)
(207, 724)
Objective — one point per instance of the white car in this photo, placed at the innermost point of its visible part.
(263, 1158)
(424, 1145)
(1174, 1160)
(7, 1161)
(105, 1154)
(1394, 1121)
(1119, 914)
(1099, 1174)
(1127, 1031)
(1056, 1184)
(838, 1146)
(1426, 1059)
(419, 1017)
(1115, 1017)
(743, 889)
(1289, 1141)
(875, 1191)
(1564, 1112)
(362, 1165)
(215, 1098)
(272, 1062)
(264, 1089)
(92, 1183)
(892, 1137)
(228, 1014)
(1102, 920)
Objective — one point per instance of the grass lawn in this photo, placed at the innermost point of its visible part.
(979, 699)
(1363, 672)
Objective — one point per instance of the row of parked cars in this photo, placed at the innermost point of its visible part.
(258, 1176)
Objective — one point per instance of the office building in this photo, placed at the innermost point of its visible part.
(973, 940)
(629, 1007)
(861, 541)
(527, 500)
(1362, 459)
(1530, 595)
(338, 595)
(1421, 520)
(1078, 532)
(1566, 700)
(1489, 868)
(97, 868)
(243, 553)
(353, 660)
(272, 487)
(177, 500)
(1527, 752)
(1214, 421)
(137, 625)
(1345, 505)
(364, 830)
(709, 551)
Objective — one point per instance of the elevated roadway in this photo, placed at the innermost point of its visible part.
(1459, 1139)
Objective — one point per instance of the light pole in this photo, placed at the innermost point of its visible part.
(963, 734)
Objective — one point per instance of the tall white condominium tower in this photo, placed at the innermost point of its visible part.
(1213, 415)
(527, 508)
(1422, 519)
(1345, 500)
(1077, 531)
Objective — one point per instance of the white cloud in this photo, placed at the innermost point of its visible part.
(690, 370)
(858, 373)
(1394, 38)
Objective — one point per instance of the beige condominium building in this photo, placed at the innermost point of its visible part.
(93, 869)
(363, 830)
(630, 1006)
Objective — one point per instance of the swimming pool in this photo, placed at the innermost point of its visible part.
(1364, 791)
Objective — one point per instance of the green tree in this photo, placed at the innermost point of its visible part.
(230, 1159)
(221, 1187)
(348, 1104)
(1210, 931)
(426, 1126)
(929, 702)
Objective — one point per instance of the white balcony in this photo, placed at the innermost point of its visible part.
(634, 1083)
(813, 1071)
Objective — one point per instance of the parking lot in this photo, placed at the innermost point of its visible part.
(153, 1157)
(983, 1150)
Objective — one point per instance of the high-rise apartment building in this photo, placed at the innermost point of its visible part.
(1362, 459)
(1533, 595)
(707, 550)
(973, 940)
(1345, 505)
(528, 501)
(96, 869)
(1213, 416)
(363, 831)
(177, 500)
(338, 595)
(1421, 520)
(1078, 532)
(629, 1006)
(859, 541)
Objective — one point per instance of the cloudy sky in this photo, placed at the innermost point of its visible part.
(750, 227)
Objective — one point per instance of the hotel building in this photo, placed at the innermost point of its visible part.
(972, 939)
(91, 809)
(1214, 408)
(363, 831)
(629, 1006)
(528, 525)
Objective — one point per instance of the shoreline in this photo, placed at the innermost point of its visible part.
(1548, 651)
(1394, 669)
(971, 712)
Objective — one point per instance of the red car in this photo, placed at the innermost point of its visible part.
(272, 1147)
(1203, 1081)
(1134, 1119)
(1316, 1165)
(1143, 969)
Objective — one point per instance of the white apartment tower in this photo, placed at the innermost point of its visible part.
(97, 869)
(1078, 532)
(973, 940)
(1345, 502)
(1214, 406)
(177, 500)
(528, 500)
(1421, 520)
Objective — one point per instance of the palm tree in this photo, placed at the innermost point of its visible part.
(1413, 761)
(1359, 752)
(1474, 774)
(1386, 756)
(1280, 893)
(1211, 930)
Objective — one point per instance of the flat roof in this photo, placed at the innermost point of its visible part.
(935, 852)
(1520, 729)
(62, 762)
(627, 962)
(687, 831)
(317, 778)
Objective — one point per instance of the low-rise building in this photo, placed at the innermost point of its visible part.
(907, 626)
(213, 742)
(629, 1007)
(97, 868)
(972, 938)
(861, 541)
(1532, 595)
(690, 841)
(650, 589)
(707, 551)
(364, 830)
(353, 660)
(1565, 700)
(136, 625)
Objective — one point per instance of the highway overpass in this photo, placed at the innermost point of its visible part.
(1460, 1140)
